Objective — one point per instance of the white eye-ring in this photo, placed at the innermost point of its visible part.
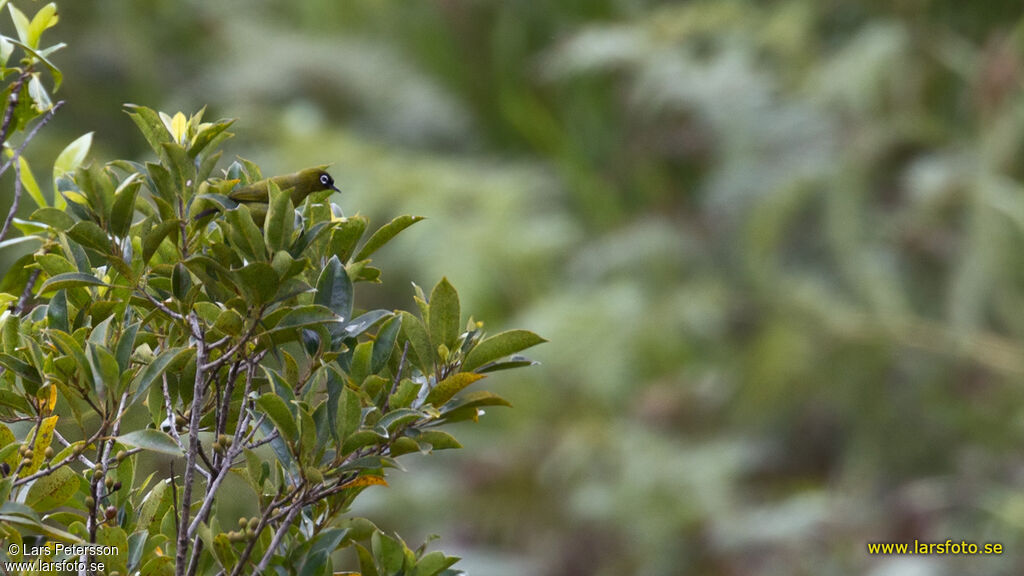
(324, 178)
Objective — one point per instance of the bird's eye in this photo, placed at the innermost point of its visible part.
(324, 179)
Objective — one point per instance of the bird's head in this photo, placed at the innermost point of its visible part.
(321, 179)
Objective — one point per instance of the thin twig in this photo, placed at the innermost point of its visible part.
(12, 103)
(16, 156)
(168, 405)
(199, 392)
(14, 203)
(26, 294)
(161, 306)
(53, 466)
(216, 364)
(293, 510)
(225, 464)
(81, 457)
(265, 519)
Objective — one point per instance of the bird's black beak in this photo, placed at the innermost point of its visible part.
(335, 188)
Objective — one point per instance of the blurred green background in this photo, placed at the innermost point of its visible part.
(777, 247)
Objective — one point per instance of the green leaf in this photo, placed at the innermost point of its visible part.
(467, 406)
(208, 135)
(125, 345)
(54, 71)
(506, 364)
(70, 280)
(280, 222)
(345, 236)
(151, 504)
(384, 234)
(23, 369)
(384, 344)
(105, 371)
(57, 311)
(280, 415)
(5, 487)
(438, 440)
(28, 182)
(499, 346)
(155, 370)
(334, 289)
(71, 157)
(43, 439)
(349, 411)
(52, 490)
(224, 552)
(389, 551)
(158, 566)
(181, 281)
(56, 219)
(95, 184)
(305, 316)
(44, 18)
(124, 205)
(245, 235)
(451, 386)
(90, 235)
(397, 418)
(152, 441)
(259, 281)
(307, 436)
(114, 539)
(151, 126)
(416, 334)
(152, 239)
(433, 564)
(165, 188)
(444, 315)
(21, 23)
(367, 566)
(33, 525)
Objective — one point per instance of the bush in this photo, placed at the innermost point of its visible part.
(150, 332)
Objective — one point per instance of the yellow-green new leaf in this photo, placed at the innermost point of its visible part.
(451, 386)
(42, 442)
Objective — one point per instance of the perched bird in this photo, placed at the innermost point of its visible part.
(256, 196)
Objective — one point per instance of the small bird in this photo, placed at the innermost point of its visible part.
(256, 196)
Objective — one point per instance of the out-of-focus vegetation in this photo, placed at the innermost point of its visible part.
(776, 247)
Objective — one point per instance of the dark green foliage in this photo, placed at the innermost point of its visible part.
(216, 344)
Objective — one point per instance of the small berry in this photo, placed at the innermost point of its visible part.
(90, 502)
(121, 455)
(48, 452)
